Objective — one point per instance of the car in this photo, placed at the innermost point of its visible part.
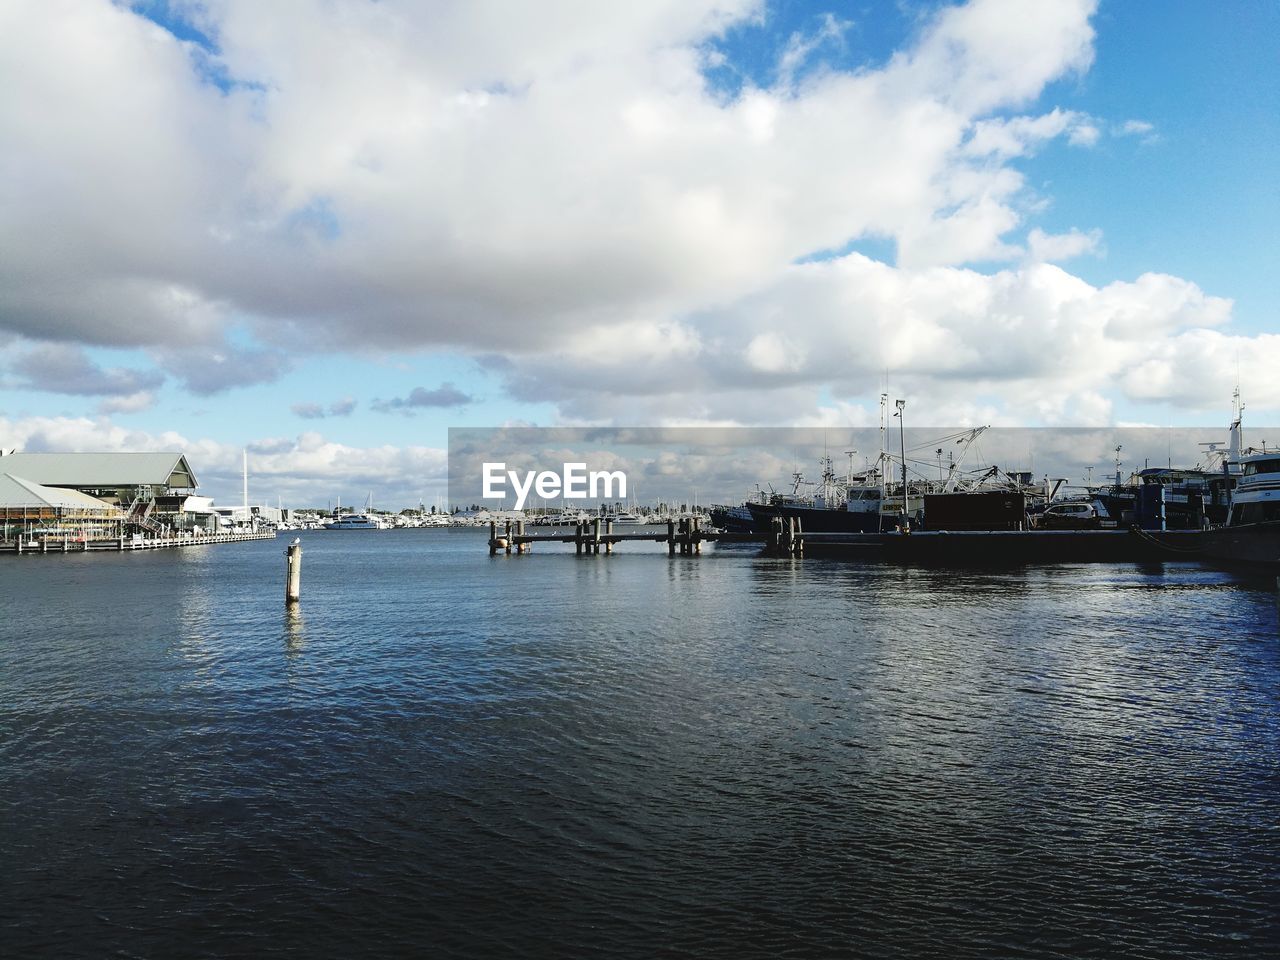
(1070, 516)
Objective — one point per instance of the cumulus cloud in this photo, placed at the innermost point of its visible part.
(1056, 247)
(420, 398)
(60, 368)
(1050, 346)
(571, 199)
(129, 403)
(222, 367)
(357, 177)
(318, 411)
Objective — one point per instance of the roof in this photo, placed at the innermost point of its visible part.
(18, 493)
(101, 469)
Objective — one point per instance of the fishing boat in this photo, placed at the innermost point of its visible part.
(1252, 532)
(732, 519)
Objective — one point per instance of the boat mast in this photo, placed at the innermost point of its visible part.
(902, 436)
(884, 399)
(1235, 447)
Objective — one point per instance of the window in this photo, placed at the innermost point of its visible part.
(1261, 466)
(1256, 512)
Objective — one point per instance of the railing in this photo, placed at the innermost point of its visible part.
(139, 515)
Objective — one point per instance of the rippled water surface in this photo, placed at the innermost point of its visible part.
(450, 755)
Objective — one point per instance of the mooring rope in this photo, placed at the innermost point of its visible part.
(1161, 544)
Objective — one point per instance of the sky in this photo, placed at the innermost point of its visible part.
(329, 230)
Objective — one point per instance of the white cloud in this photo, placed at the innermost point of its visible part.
(1144, 131)
(569, 197)
(1044, 345)
(129, 403)
(1056, 247)
(392, 174)
(1005, 137)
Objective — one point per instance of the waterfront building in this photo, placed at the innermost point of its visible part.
(25, 505)
(155, 491)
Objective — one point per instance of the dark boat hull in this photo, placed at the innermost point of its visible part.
(1252, 544)
(731, 522)
(995, 547)
(815, 519)
(1248, 543)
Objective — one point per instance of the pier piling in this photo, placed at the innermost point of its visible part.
(293, 573)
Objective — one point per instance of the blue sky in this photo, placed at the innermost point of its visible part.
(698, 213)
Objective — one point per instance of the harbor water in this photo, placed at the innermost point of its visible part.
(446, 754)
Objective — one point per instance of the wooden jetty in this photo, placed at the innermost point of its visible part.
(683, 537)
(69, 544)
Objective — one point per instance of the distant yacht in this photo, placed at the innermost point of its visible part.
(355, 521)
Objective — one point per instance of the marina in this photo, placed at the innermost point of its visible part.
(674, 481)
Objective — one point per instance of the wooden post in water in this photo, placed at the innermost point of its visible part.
(577, 537)
(697, 535)
(520, 546)
(608, 532)
(293, 573)
(508, 536)
(595, 535)
(671, 538)
(493, 538)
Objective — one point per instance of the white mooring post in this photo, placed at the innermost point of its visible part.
(293, 572)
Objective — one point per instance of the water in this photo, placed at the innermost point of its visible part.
(451, 755)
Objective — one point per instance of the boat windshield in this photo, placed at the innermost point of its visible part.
(1261, 466)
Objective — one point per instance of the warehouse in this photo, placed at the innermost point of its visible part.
(29, 509)
(152, 489)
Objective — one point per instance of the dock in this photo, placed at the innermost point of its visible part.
(70, 544)
(959, 548)
(684, 537)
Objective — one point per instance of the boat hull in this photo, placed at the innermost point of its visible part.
(815, 519)
(997, 547)
(732, 522)
(1244, 543)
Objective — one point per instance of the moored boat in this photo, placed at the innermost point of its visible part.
(355, 521)
(1252, 532)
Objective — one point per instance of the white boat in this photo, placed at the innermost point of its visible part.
(1252, 532)
(356, 521)
(625, 519)
(1256, 498)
